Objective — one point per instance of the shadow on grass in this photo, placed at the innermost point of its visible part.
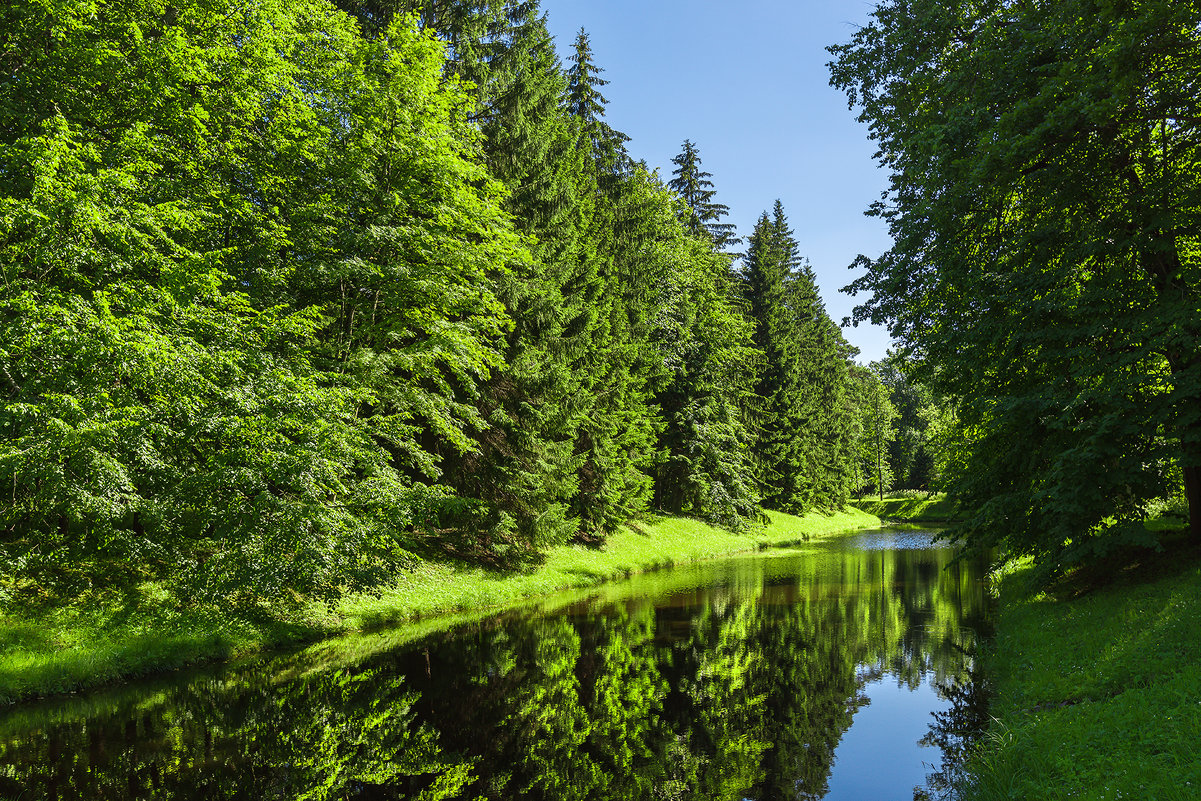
(1133, 565)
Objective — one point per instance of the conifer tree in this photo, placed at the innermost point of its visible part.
(570, 436)
(702, 215)
(617, 436)
(518, 487)
(703, 342)
(803, 450)
(586, 103)
(765, 274)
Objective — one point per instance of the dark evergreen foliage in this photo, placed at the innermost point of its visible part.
(702, 215)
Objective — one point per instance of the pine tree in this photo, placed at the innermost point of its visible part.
(702, 216)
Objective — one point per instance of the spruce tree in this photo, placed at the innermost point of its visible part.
(617, 436)
(804, 434)
(702, 216)
(586, 103)
(703, 342)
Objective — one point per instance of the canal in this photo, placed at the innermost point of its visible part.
(842, 672)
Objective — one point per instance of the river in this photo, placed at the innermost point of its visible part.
(841, 672)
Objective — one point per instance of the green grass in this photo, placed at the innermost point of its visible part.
(437, 588)
(1098, 696)
(75, 648)
(910, 507)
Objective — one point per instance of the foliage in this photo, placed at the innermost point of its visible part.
(913, 452)
(295, 295)
(208, 382)
(705, 345)
(1044, 202)
(911, 505)
(586, 103)
(701, 215)
(804, 449)
(876, 414)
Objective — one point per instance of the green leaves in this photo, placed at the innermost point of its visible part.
(1045, 182)
(243, 301)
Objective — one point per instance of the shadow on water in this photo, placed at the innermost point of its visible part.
(744, 678)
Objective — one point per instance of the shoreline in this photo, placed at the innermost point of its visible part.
(69, 650)
(1096, 690)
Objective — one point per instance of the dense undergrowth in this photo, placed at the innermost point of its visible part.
(68, 648)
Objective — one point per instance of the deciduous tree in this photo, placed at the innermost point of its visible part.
(1044, 204)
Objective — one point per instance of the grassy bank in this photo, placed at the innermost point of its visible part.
(910, 508)
(1098, 691)
(73, 648)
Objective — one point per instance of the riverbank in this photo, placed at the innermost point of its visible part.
(918, 508)
(74, 648)
(1097, 688)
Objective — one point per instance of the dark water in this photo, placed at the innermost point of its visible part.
(842, 673)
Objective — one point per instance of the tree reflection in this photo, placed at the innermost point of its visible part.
(741, 689)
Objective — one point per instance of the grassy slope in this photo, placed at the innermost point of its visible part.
(1099, 696)
(936, 509)
(75, 648)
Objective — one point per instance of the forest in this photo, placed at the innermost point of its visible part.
(298, 294)
(356, 321)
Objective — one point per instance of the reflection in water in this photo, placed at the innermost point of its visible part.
(729, 680)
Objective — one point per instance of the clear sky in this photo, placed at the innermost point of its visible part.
(748, 83)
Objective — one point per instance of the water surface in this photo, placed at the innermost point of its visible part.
(843, 673)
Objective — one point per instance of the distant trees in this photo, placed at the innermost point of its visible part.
(1044, 204)
(912, 452)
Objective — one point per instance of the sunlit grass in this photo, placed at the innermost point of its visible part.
(910, 506)
(77, 647)
(1097, 697)
(436, 588)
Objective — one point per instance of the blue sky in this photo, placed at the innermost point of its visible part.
(748, 84)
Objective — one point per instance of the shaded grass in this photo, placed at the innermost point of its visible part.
(935, 509)
(1098, 688)
(74, 648)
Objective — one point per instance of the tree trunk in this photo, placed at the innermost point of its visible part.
(1178, 297)
(1192, 491)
